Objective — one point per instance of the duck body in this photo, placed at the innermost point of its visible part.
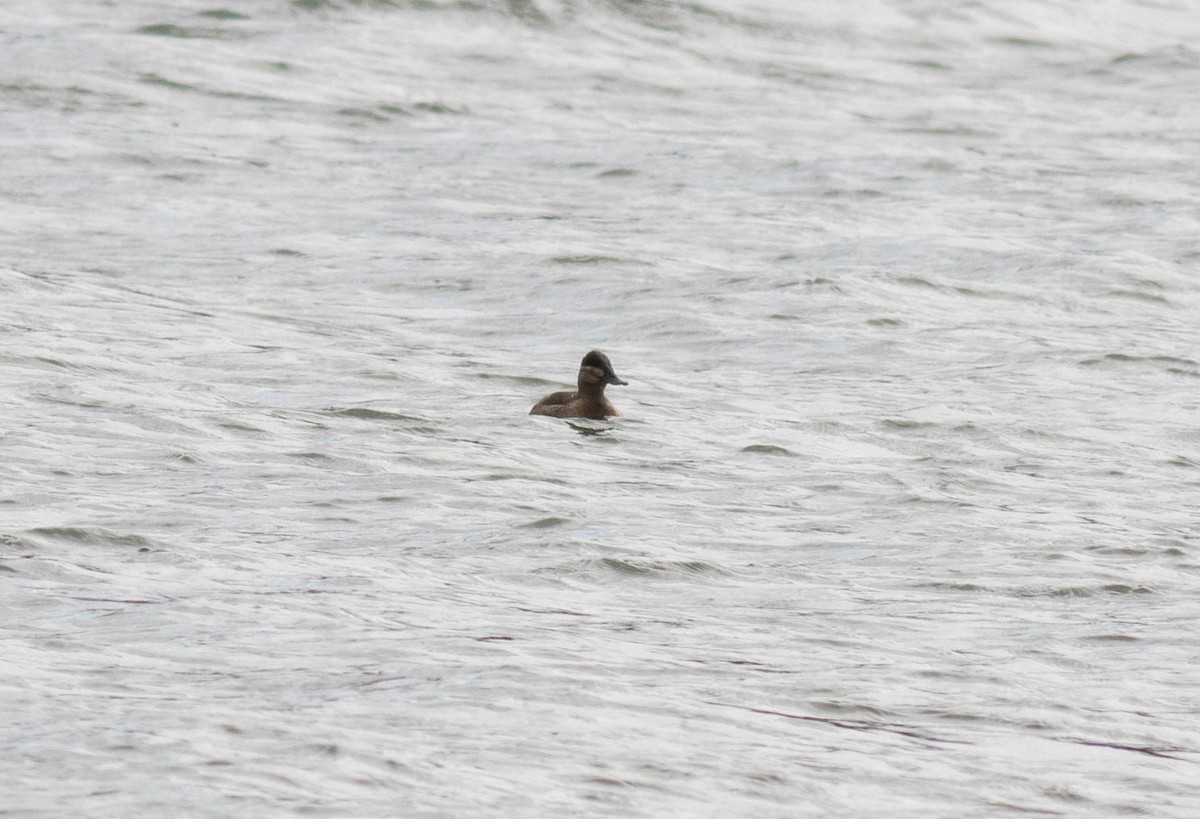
(588, 401)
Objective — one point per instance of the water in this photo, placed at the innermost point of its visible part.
(900, 519)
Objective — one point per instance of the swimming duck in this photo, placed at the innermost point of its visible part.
(588, 402)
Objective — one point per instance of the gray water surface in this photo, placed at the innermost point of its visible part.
(901, 517)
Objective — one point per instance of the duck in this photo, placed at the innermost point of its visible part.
(595, 371)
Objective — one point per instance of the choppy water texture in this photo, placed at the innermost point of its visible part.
(900, 519)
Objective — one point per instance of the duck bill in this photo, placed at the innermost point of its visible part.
(612, 378)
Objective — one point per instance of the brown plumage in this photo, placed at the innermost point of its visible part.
(595, 371)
